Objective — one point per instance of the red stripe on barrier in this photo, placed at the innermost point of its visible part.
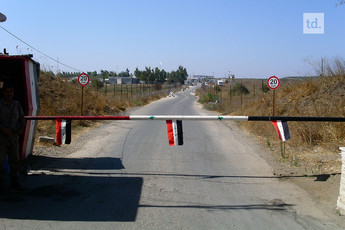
(77, 117)
(58, 132)
(170, 132)
(277, 129)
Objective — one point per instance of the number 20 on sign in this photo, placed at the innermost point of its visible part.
(83, 79)
(273, 83)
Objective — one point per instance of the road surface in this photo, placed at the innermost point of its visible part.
(124, 175)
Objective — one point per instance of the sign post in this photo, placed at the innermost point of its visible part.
(273, 83)
(83, 80)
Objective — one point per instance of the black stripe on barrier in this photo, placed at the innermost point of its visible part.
(68, 132)
(179, 132)
(321, 119)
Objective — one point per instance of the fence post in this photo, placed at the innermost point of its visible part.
(341, 197)
(121, 90)
(230, 92)
(127, 91)
(132, 90)
(241, 95)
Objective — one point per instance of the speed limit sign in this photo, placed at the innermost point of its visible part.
(83, 79)
(273, 82)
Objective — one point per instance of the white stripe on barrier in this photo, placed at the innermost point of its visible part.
(189, 117)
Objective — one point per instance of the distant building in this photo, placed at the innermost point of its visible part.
(202, 77)
(112, 80)
(120, 80)
(127, 80)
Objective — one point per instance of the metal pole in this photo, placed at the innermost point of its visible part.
(274, 101)
(230, 92)
(262, 85)
(241, 95)
(121, 90)
(82, 100)
(132, 90)
(127, 91)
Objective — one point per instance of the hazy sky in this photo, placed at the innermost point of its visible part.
(212, 37)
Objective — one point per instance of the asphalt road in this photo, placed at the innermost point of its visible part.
(124, 175)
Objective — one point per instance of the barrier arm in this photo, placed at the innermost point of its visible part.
(190, 117)
(174, 123)
(175, 134)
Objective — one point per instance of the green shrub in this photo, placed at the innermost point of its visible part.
(265, 88)
(238, 87)
(208, 98)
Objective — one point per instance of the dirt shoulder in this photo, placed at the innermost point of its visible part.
(322, 185)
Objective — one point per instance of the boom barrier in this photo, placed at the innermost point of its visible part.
(174, 123)
(190, 117)
(175, 133)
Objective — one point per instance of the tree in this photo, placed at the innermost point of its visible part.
(182, 74)
(125, 73)
(178, 76)
(104, 73)
(160, 76)
(149, 74)
(238, 88)
(137, 73)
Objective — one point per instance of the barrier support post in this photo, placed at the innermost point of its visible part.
(341, 197)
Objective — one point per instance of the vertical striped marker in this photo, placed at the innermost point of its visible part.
(175, 133)
(63, 132)
(282, 130)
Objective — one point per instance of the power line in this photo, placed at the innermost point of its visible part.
(57, 61)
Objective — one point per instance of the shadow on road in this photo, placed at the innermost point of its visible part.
(74, 198)
(99, 163)
(280, 207)
(318, 177)
(99, 195)
(68, 197)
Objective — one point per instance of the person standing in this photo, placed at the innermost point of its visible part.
(11, 126)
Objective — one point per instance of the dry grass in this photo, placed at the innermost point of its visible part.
(322, 97)
(60, 98)
(313, 145)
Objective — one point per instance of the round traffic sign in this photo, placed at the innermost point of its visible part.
(273, 82)
(83, 79)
